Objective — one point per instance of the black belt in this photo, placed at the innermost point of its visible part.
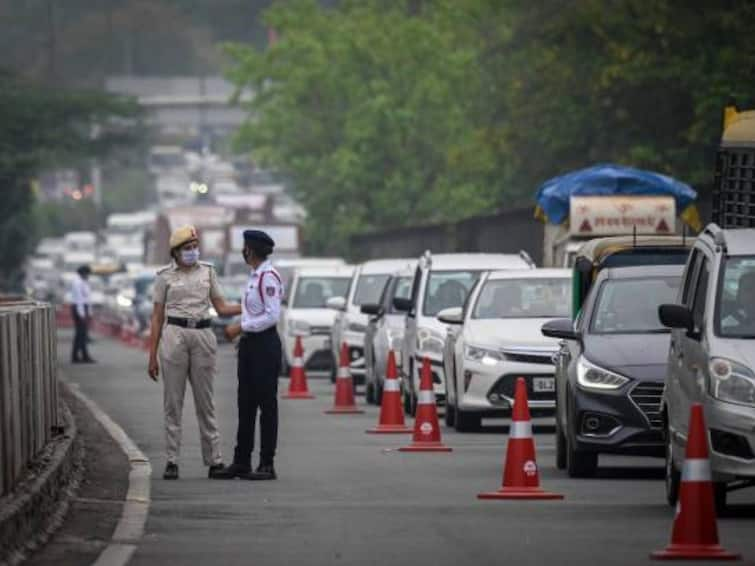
(271, 330)
(189, 322)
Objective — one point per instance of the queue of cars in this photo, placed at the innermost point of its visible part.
(614, 350)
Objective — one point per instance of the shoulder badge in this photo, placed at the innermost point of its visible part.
(164, 268)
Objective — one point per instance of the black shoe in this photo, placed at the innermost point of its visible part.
(89, 361)
(263, 472)
(215, 469)
(171, 471)
(230, 472)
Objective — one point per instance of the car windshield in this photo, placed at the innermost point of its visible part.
(314, 292)
(735, 310)
(402, 290)
(630, 306)
(446, 289)
(524, 298)
(369, 289)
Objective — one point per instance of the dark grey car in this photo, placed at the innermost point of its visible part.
(611, 367)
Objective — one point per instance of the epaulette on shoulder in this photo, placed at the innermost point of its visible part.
(164, 268)
(207, 264)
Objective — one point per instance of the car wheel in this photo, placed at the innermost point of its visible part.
(450, 416)
(579, 464)
(285, 369)
(378, 393)
(719, 495)
(369, 393)
(673, 477)
(333, 370)
(466, 421)
(560, 446)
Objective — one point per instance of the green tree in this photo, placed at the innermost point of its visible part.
(40, 128)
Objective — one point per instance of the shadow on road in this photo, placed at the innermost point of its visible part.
(630, 473)
(738, 511)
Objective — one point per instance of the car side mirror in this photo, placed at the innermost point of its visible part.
(402, 304)
(451, 315)
(336, 303)
(676, 316)
(371, 309)
(562, 328)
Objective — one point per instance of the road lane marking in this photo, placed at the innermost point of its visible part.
(130, 527)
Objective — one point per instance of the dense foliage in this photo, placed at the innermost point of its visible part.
(43, 127)
(394, 112)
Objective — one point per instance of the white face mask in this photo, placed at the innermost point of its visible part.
(190, 257)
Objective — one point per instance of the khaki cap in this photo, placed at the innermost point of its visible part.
(182, 235)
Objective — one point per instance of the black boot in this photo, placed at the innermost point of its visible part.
(215, 469)
(230, 472)
(263, 472)
(171, 471)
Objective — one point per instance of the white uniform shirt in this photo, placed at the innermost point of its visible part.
(261, 307)
(80, 295)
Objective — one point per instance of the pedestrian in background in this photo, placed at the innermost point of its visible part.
(259, 363)
(181, 334)
(81, 310)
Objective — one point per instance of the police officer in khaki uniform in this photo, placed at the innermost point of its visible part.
(181, 333)
(259, 364)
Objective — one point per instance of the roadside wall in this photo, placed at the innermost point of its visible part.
(503, 232)
(28, 385)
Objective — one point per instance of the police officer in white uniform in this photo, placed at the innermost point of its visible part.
(82, 314)
(259, 363)
(180, 330)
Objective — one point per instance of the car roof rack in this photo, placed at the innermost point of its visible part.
(717, 234)
(527, 258)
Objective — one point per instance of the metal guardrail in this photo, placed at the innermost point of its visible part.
(28, 385)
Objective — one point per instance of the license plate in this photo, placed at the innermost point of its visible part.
(543, 384)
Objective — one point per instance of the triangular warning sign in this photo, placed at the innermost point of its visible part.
(662, 226)
(585, 226)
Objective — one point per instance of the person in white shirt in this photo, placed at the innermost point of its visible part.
(259, 363)
(81, 312)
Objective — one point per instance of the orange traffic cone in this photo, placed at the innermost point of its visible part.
(520, 476)
(297, 386)
(344, 399)
(391, 412)
(695, 534)
(426, 427)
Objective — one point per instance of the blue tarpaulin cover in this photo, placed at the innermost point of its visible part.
(608, 179)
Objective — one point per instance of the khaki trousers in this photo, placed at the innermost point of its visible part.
(189, 354)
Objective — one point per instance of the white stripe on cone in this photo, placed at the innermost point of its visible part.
(391, 385)
(298, 363)
(696, 469)
(426, 398)
(343, 373)
(520, 429)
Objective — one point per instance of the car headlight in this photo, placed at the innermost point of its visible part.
(483, 355)
(591, 376)
(356, 327)
(430, 342)
(731, 382)
(298, 327)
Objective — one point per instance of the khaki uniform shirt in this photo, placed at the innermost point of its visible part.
(187, 294)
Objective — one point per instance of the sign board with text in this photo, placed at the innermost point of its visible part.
(619, 215)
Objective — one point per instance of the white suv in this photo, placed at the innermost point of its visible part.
(712, 359)
(306, 314)
(441, 281)
(350, 324)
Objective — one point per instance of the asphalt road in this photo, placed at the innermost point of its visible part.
(345, 497)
